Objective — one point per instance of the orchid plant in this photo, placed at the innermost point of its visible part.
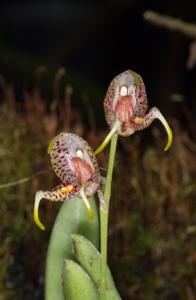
(76, 166)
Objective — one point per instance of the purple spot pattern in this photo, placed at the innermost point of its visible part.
(129, 79)
(64, 148)
(57, 194)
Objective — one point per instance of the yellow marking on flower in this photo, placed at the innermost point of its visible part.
(51, 144)
(138, 120)
(67, 189)
(136, 78)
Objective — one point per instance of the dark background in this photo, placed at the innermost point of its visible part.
(99, 39)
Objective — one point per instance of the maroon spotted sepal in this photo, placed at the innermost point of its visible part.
(76, 166)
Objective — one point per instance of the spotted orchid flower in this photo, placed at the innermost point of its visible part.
(126, 106)
(76, 166)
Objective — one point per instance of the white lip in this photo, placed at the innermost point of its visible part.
(123, 91)
(79, 153)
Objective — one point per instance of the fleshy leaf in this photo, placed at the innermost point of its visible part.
(71, 219)
(77, 284)
(89, 258)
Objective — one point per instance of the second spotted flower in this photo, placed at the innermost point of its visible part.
(76, 166)
(126, 107)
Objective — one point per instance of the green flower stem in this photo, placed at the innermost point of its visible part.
(104, 213)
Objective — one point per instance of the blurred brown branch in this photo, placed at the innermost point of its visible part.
(23, 180)
(171, 23)
(175, 24)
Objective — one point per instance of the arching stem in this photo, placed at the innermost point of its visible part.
(104, 214)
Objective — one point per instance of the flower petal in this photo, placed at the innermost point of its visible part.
(126, 96)
(86, 202)
(144, 122)
(60, 193)
(108, 137)
(38, 196)
(63, 148)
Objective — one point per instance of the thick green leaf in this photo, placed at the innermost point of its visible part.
(89, 258)
(72, 218)
(77, 284)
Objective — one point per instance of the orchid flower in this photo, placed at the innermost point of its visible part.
(126, 106)
(76, 166)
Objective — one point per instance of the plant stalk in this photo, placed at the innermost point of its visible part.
(104, 214)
